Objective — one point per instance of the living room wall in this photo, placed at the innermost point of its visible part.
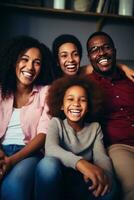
(46, 27)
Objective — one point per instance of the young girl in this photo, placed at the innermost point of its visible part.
(77, 166)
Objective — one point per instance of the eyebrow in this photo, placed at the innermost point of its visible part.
(71, 95)
(29, 57)
(67, 51)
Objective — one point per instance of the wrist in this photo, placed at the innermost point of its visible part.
(81, 165)
(8, 161)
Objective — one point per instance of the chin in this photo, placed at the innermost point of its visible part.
(72, 74)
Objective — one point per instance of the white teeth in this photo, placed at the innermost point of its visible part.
(75, 112)
(103, 61)
(70, 66)
(27, 74)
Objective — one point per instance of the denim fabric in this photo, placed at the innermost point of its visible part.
(48, 180)
(14, 148)
(18, 183)
(11, 149)
(57, 182)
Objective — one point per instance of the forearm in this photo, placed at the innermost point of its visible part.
(127, 70)
(83, 166)
(33, 146)
(94, 174)
(87, 69)
(67, 157)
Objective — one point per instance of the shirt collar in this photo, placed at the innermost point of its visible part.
(35, 90)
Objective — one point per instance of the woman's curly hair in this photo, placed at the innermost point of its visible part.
(58, 89)
(9, 55)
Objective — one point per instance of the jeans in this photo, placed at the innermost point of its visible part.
(18, 183)
(54, 181)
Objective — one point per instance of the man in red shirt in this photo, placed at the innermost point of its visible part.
(118, 120)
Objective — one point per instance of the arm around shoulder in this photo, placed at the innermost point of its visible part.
(127, 70)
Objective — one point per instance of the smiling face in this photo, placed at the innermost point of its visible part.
(28, 67)
(102, 54)
(69, 59)
(75, 105)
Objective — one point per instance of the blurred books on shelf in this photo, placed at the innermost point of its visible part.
(107, 6)
(93, 5)
(126, 7)
(100, 6)
(81, 5)
(59, 4)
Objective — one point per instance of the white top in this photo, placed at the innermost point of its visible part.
(14, 133)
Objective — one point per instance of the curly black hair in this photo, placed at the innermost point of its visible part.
(9, 55)
(60, 40)
(58, 89)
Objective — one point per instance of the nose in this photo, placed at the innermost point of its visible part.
(30, 65)
(101, 51)
(70, 57)
(76, 102)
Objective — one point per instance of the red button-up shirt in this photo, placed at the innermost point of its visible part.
(118, 119)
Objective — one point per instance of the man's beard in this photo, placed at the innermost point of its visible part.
(107, 73)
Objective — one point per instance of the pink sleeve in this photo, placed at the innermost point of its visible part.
(45, 118)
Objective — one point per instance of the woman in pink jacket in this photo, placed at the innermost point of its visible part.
(25, 72)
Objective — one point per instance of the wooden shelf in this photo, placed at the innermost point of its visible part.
(101, 18)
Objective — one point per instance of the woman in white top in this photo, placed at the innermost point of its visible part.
(25, 70)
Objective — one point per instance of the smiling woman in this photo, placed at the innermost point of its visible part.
(69, 59)
(67, 53)
(28, 67)
(25, 73)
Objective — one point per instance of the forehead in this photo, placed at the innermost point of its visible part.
(32, 50)
(68, 47)
(76, 89)
(98, 40)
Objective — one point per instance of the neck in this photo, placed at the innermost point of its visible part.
(22, 90)
(77, 126)
(21, 96)
(107, 74)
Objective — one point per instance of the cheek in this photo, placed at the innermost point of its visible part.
(38, 69)
(92, 57)
(86, 108)
(17, 70)
(65, 105)
(78, 61)
(61, 62)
